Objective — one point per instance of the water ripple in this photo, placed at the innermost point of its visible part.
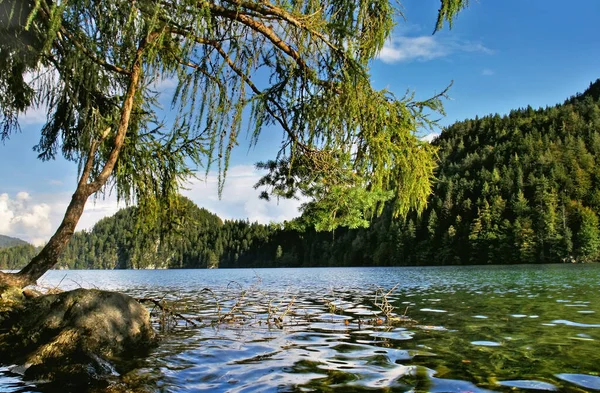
(325, 330)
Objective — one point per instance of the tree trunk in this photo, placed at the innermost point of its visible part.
(49, 255)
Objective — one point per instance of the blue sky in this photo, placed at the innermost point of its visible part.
(501, 54)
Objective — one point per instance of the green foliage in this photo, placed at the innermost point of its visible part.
(85, 56)
(448, 11)
(7, 241)
(533, 175)
(587, 233)
(509, 190)
(19, 52)
(15, 257)
(342, 207)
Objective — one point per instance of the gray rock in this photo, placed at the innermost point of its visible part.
(74, 336)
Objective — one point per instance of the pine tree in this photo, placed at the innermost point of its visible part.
(94, 65)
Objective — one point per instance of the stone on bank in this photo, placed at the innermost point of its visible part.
(72, 337)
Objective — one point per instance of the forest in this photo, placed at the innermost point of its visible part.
(518, 188)
(7, 241)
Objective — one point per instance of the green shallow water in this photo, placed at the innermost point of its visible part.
(476, 329)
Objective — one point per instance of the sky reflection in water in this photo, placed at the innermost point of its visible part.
(477, 329)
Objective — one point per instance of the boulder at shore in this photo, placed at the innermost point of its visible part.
(71, 337)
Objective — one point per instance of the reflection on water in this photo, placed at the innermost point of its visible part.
(475, 329)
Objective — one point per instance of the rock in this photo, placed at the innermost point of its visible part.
(74, 336)
(29, 293)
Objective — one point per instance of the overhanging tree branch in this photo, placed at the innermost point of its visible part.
(94, 58)
(135, 77)
(313, 58)
(280, 119)
(51, 251)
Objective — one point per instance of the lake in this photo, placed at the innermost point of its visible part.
(455, 329)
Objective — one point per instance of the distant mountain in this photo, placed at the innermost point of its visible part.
(7, 241)
(183, 237)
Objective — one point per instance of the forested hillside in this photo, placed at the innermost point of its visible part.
(7, 241)
(189, 237)
(520, 188)
(14, 252)
(15, 257)
(124, 241)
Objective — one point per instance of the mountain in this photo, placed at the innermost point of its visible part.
(127, 240)
(7, 241)
(593, 91)
(15, 253)
(186, 237)
(518, 188)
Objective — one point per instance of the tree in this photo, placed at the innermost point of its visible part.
(587, 235)
(94, 65)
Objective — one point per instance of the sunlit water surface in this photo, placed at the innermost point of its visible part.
(476, 329)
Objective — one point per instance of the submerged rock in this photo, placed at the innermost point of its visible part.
(73, 336)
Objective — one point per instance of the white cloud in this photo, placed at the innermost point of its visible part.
(34, 116)
(402, 49)
(23, 218)
(430, 137)
(23, 196)
(6, 214)
(34, 218)
(97, 209)
(239, 199)
(426, 47)
(164, 84)
(487, 72)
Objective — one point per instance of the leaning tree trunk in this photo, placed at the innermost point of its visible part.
(49, 255)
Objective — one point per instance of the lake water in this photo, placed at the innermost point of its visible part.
(474, 329)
